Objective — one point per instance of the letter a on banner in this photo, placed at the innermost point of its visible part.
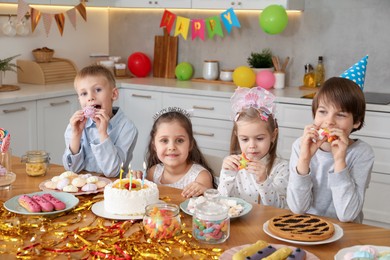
(182, 26)
(213, 26)
(230, 19)
(198, 28)
(167, 20)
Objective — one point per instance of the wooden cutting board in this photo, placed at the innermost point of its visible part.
(165, 56)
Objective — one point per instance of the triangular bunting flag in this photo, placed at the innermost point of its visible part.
(23, 8)
(35, 17)
(167, 20)
(230, 19)
(213, 26)
(182, 25)
(47, 20)
(83, 12)
(72, 16)
(60, 19)
(198, 28)
(357, 72)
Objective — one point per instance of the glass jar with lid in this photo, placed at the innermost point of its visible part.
(211, 222)
(37, 162)
(162, 220)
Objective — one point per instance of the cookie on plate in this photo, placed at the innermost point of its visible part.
(301, 227)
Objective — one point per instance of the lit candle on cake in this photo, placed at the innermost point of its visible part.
(130, 176)
(143, 176)
(120, 176)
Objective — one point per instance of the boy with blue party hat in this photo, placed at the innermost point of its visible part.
(329, 176)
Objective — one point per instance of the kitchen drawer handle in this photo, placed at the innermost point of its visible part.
(6, 111)
(203, 108)
(59, 103)
(141, 96)
(204, 134)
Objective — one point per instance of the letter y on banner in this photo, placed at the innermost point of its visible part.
(230, 19)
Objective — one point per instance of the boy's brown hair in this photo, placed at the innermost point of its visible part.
(97, 70)
(344, 94)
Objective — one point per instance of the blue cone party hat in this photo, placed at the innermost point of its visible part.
(357, 73)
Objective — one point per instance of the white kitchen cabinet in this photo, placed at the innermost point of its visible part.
(88, 3)
(247, 4)
(53, 116)
(20, 120)
(140, 106)
(38, 2)
(151, 3)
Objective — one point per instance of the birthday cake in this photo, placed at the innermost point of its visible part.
(120, 200)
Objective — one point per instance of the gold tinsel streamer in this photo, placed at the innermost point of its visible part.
(79, 234)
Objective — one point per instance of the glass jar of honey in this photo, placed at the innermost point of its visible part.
(37, 162)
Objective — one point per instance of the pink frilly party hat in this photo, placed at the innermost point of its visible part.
(357, 72)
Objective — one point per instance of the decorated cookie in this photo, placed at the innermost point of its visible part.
(243, 161)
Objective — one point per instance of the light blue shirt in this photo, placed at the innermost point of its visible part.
(106, 157)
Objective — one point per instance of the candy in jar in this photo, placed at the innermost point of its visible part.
(162, 220)
(211, 222)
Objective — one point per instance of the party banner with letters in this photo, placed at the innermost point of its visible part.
(199, 27)
(48, 18)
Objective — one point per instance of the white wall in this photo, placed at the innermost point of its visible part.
(75, 44)
(342, 31)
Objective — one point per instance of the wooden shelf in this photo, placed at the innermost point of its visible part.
(213, 81)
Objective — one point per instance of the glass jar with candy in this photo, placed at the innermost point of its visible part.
(211, 222)
(162, 221)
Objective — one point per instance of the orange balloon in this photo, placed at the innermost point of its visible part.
(244, 76)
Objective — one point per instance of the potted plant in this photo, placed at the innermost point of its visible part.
(6, 65)
(260, 60)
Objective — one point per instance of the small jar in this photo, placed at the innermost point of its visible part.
(211, 222)
(162, 221)
(210, 69)
(37, 163)
(226, 75)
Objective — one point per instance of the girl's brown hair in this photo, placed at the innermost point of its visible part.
(248, 115)
(195, 155)
(344, 94)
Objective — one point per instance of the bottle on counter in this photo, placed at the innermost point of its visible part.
(320, 72)
(308, 78)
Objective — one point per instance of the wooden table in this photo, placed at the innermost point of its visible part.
(244, 230)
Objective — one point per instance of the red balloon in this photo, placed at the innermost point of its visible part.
(139, 64)
(265, 79)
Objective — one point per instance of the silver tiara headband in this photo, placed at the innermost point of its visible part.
(257, 98)
(172, 109)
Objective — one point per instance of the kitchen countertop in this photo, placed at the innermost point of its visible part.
(30, 92)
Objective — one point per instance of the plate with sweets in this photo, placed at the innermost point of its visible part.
(228, 254)
(70, 201)
(303, 229)
(50, 185)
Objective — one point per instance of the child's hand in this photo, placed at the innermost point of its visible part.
(258, 169)
(339, 148)
(77, 122)
(310, 141)
(231, 162)
(101, 119)
(193, 189)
